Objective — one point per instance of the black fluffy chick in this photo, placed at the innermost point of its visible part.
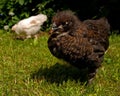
(82, 44)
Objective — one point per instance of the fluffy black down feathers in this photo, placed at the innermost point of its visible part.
(82, 44)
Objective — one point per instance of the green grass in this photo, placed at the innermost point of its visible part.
(28, 69)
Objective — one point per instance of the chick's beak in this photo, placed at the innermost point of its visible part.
(55, 27)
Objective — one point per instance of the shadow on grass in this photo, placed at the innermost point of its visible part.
(58, 74)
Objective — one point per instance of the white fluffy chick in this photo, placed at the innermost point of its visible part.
(29, 26)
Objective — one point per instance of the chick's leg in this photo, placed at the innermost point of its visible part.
(91, 74)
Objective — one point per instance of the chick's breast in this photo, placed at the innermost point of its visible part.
(70, 48)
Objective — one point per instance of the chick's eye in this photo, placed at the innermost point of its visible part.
(64, 23)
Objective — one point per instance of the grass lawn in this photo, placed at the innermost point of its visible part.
(28, 69)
